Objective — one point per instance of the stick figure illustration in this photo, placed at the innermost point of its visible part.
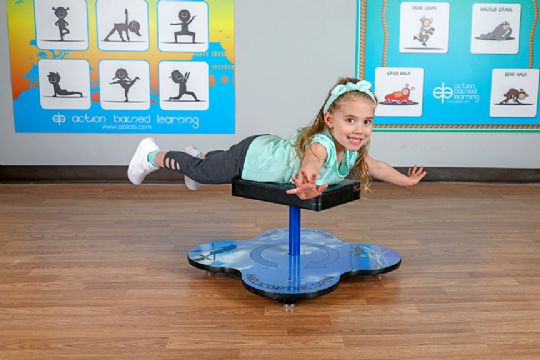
(425, 30)
(185, 19)
(54, 79)
(181, 80)
(125, 82)
(126, 27)
(61, 13)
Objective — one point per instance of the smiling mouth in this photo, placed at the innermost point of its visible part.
(355, 140)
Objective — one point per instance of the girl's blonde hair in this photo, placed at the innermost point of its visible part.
(360, 168)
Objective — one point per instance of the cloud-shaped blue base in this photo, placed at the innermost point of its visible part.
(266, 268)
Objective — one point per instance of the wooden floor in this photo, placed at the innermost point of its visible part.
(100, 272)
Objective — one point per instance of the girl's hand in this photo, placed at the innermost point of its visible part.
(306, 188)
(415, 174)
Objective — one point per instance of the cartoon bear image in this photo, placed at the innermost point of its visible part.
(514, 95)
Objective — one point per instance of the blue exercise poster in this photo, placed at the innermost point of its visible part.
(451, 65)
(122, 66)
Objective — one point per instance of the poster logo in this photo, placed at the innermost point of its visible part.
(461, 93)
(442, 92)
(59, 119)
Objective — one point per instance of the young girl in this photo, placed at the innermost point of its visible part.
(317, 156)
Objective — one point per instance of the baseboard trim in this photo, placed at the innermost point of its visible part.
(78, 173)
(117, 174)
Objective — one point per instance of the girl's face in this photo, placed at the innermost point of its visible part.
(351, 122)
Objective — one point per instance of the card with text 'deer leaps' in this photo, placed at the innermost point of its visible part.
(495, 28)
(514, 93)
(424, 27)
(399, 91)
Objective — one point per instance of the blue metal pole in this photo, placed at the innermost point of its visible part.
(294, 231)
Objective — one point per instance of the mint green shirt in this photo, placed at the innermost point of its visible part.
(270, 158)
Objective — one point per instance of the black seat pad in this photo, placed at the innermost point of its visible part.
(344, 192)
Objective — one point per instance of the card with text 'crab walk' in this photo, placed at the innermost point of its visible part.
(399, 91)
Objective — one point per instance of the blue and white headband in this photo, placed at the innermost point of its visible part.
(362, 86)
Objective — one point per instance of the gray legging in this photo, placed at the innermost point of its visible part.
(218, 167)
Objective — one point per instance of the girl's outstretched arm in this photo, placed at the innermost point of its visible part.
(310, 166)
(382, 171)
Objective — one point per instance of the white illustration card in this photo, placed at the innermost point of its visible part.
(124, 84)
(495, 28)
(424, 27)
(182, 26)
(61, 25)
(399, 91)
(514, 93)
(122, 25)
(64, 84)
(184, 85)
